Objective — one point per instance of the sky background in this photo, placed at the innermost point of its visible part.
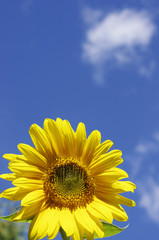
(90, 61)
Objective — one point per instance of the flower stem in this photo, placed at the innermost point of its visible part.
(63, 234)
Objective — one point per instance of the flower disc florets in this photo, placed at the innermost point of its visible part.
(67, 184)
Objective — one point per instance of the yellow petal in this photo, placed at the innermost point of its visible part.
(90, 236)
(41, 142)
(116, 187)
(115, 199)
(110, 175)
(27, 183)
(14, 194)
(100, 210)
(123, 186)
(103, 148)
(106, 161)
(68, 136)
(33, 156)
(87, 222)
(80, 138)
(27, 212)
(38, 226)
(14, 157)
(8, 176)
(67, 221)
(59, 122)
(125, 201)
(33, 198)
(54, 223)
(78, 232)
(99, 229)
(92, 142)
(26, 170)
(44, 223)
(51, 128)
(118, 212)
(84, 219)
(105, 189)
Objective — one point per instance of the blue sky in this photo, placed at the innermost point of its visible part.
(90, 61)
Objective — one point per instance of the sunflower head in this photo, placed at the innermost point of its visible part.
(67, 180)
(68, 184)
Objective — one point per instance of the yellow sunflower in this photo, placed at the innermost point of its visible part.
(67, 180)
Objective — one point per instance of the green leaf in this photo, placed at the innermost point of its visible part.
(109, 230)
(63, 234)
(9, 218)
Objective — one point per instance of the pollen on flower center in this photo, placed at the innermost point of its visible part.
(68, 185)
(69, 179)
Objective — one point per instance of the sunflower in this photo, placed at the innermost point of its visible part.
(67, 181)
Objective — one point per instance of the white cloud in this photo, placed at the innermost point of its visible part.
(135, 162)
(25, 5)
(147, 70)
(156, 136)
(91, 16)
(117, 36)
(145, 166)
(144, 150)
(150, 198)
(147, 147)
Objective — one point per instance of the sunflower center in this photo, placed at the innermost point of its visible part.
(69, 179)
(68, 185)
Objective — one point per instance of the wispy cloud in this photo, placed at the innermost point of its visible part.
(143, 151)
(147, 147)
(26, 5)
(118, 36)
(150, 198)
(147, 71)
(91, 16)
(145, 166)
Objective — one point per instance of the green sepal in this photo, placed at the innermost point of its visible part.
(9, 218)
(63, 234)
(109, 230)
